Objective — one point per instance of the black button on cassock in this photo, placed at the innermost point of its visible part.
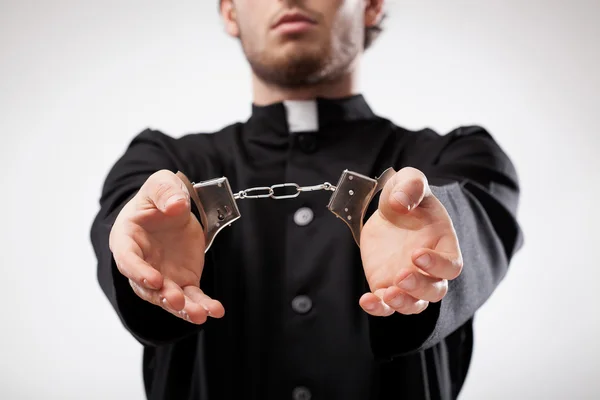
(303, 216)
(302, 304)
(301, 393)
(307, 142)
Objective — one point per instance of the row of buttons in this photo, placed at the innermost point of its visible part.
(302, 304)
(302, 217)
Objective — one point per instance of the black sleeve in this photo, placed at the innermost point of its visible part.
(478, 185)
(148, 152)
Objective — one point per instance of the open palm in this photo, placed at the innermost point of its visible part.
(172, 244)
(159, 245)
(409, 248)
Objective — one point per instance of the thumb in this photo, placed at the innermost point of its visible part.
(167, 192)
(403, 192)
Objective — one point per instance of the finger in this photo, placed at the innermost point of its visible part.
(149, 295)
(171, 295)
(403, 192)
(404, 303)
(193, 312)
(154, 297)
(372, 304)
(421, 286)
(132, 266)
(213, 307)
(166, 192)
(439, 264)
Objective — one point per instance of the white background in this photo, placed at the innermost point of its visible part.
(79, 79)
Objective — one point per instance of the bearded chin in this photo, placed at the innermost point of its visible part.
(291, 71)
(303, 66)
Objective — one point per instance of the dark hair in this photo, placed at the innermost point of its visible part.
(372, 32)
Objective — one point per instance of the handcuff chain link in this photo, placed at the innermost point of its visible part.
(270, 191)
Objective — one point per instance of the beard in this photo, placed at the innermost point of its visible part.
(291, 69)
(304, 63)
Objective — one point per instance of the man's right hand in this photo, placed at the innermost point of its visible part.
(158, 244)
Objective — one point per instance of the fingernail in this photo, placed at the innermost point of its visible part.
(402, 198)
(164, 301)
(423, 261)
(408, 283)
(175, 199)
(148, 285)
(397, 301)
(206, 308)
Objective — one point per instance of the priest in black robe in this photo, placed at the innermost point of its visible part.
(287, 303)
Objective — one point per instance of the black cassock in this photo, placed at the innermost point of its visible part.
(289, 273)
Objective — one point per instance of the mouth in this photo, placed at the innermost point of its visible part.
(293, 22)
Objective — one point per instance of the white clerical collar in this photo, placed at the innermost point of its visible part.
(302, 115)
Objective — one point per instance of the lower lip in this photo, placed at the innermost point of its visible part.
(294, 27)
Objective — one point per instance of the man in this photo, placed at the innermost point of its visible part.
(285, 304)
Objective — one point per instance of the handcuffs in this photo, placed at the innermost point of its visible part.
(217, 207)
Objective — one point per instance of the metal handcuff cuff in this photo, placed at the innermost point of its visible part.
(217, 207)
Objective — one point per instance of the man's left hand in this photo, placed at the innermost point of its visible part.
(409, 248)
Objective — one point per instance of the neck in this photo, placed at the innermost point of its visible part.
(265, 93)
